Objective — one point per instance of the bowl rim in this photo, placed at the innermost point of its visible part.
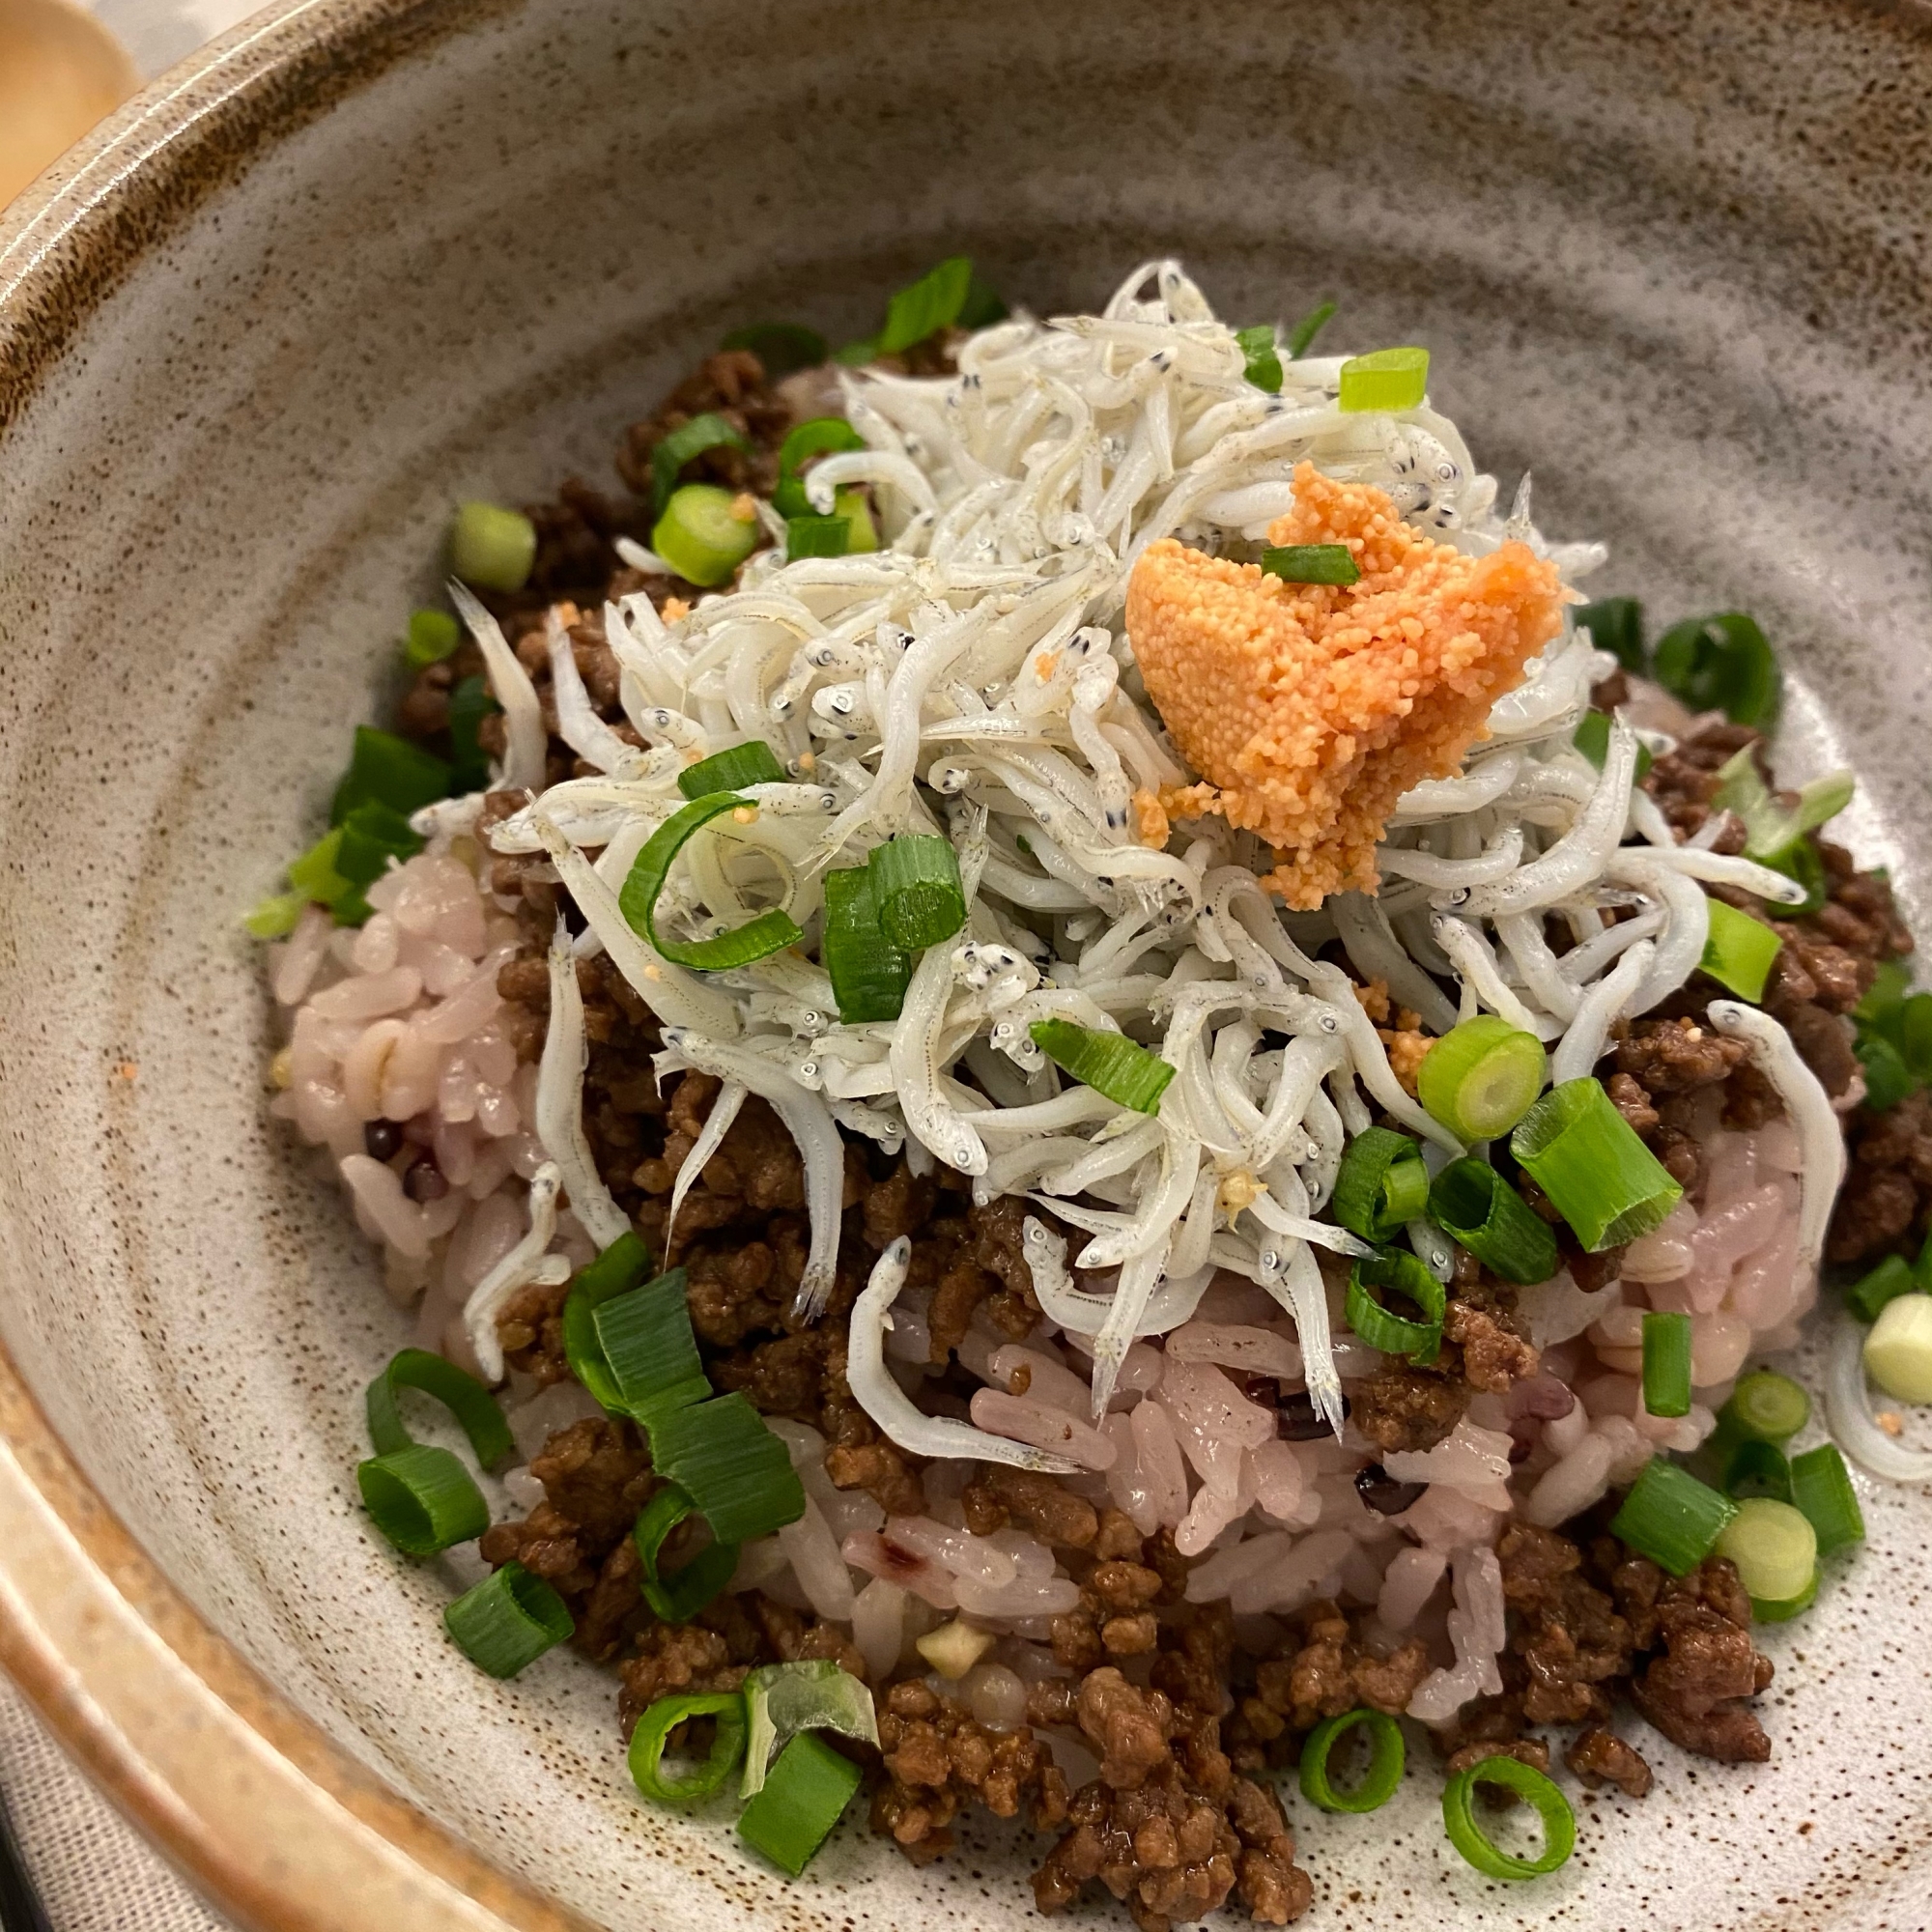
(279, 1826)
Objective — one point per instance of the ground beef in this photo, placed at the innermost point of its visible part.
(1682, 782)
(1493, 1354)
(731, 384)
(1881, 1209)
(1401, 1407)
(1600, 1757)
(1324, 1667)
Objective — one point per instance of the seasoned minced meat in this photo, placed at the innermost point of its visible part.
(1401, 1407)
(1325, 1668)
(1600, 1757)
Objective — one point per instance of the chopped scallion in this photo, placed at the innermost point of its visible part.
(1262, 359)
(706, 532)
(816, 536)
(619, 1269)
(917, 890)
(465, 1398)
(1749, 1467)
(1887, 1078)
(391, 771)
(507, 1621)
(370, 837)
(1109, 1063)
(433, 635)
(1311, 563)
(684, 444)
(769, 931)
(678, 1595)
(470, 703)
(869, 974)
(1376, 1784)
(1767, 1407)
(1592, 737)
(1898, 1349)
(730, 1466)
(1512, 1774)
(647, 1746)
(783, 1700)
(1384, 379)
(1672, 1517)
(1821, 1486)
(1396, 1271)
(931, 303)
(1666, 1362)
(491, 548)
(1800, 862)
(649, 1349)
(1739, 951)
(1480, 1078)
(1586, 1158)
(276, 917)
(784, 347)
(1473, 1205)
(752, 763)
(1301, 337)
(1382, 1185)
(1771, 827)
(804, 1796)
(1775, 1547)
(314, 875)
(822, 436)
(1721, 662)
(1777, 1610)
(422, 1499)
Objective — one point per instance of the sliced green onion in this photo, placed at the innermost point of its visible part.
(461, 1394)
(1109, 1063)
(1382, 1185)
(1749, 1467)
(730, 1466)
(1592, 737)
(619, 1269)
(1615, 624)
(1377, 1783)
(1397, 1270)
(917, 890)
(869, 974)
(648, 1745)
(1739, 951)
(1666, 1362)
(784, 347)
(1301, 337)
(1473, 1205)
(770, 931)
(678, 1595)
(783, 1700)
(1821, 1486)
(682, 445)
(470, 703)
(507, 1621)
(1672, 1518)
(1898, 1349)
(1311, 563)
(1775, 1547)
(702, 536)
(276, 917)
(491, 548)
(1885, 997)
(1769, 1611)
(433, 635)
(1262, 359)
(1887, 1078)
(391, 771)
(314, 875)
(1586, 1158)
(1481, 1076)
(1720, 663)
(1914, 1035)
(984, 304)
(369, 838)
(822, 436)
(816, 536)
(748, 764)
(931, 303)
(804, 1796)
(1767, 1407)
(648, 1347)
(1800, 862)
(1384, 379)
(1459, 1818)
(861, 533)
(1772, 828)
(422, 1499)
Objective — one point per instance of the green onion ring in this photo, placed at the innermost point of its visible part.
(751, 763)
(709, 431)
(1115, 1066)
(917, 890)
(463, 1395)
(422, 1499)
(678, 1596)
(619, 1268)
(1395, 1334)
(1559, 1822)
(1385, 1762)
(768, 932)
(1383, 1183)
(507, 1621)
(645, 1756)
(1474, 1205)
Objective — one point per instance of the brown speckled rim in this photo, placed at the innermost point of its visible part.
(278, 1826)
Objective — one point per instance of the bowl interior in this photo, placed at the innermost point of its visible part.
(1673, 271)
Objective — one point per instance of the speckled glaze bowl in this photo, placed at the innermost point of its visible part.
(368, 257)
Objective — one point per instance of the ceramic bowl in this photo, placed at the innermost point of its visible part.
(368, 257)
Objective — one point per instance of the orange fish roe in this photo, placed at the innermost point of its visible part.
(1309, 708)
